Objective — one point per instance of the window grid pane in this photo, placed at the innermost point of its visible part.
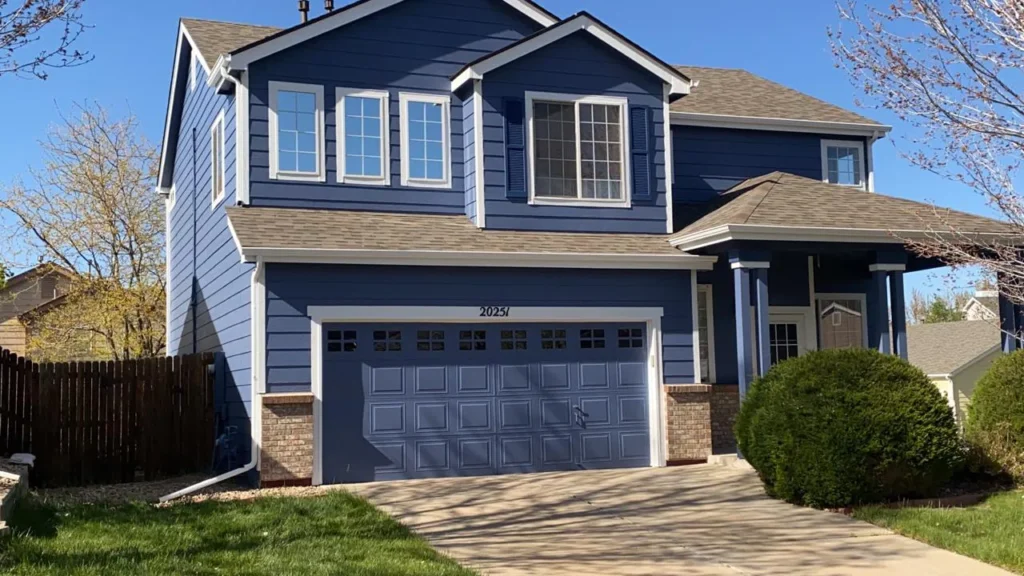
(430, 340)
(387, 341)
(553, 339)
(631, 338)
(426, 141)
(297, 132)
(782, 342)
(473, 340)
(554, 145)
(601, 150)
(704, 342)
(513, 339)
(592, 338)
(363, 136)
(844, 165)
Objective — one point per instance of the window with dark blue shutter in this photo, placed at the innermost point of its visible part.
(515, 147)
(641, 127)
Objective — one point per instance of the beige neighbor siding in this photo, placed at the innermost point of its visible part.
(12, 336)
(959, 389)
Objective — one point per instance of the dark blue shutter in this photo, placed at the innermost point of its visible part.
(515, 148)
(641, 127)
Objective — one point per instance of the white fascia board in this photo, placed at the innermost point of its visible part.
(975, 360)
(481, 259)
(729, 232)
(581, 23)
(779, 124)
(342, 17)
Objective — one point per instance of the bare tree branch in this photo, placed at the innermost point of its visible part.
(52, 27)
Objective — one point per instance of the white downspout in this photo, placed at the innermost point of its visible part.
(257, 293)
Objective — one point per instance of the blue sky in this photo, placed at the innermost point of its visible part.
(786, 42)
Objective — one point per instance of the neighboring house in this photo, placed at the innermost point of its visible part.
(984, 305)
(24, 295)
(467, 237)
(954, 355)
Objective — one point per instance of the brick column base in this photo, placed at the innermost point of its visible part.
(699, 421)
(286, 453)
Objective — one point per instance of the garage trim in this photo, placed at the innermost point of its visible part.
(320, 315)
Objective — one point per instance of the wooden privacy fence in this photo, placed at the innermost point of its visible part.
(108, 422)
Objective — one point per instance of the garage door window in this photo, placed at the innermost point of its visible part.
(430, 340)
(590, 339)
(387, 340)
(472, 340)
(339, 341)
(631, 338)
(553, 339)
(513, 339)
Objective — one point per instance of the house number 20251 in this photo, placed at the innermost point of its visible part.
(494, 311)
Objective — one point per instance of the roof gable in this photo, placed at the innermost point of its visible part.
(946, 348)
(582, 22)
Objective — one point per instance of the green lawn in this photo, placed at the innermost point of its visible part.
(331, 534)
(992, 532)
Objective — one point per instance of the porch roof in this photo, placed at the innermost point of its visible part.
(349, 237)
(786, 207)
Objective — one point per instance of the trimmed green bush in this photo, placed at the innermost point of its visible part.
(995, 417)
(839, 428)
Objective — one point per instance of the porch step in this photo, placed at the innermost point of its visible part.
(729, 461)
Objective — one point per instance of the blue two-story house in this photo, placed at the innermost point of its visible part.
(464, 237)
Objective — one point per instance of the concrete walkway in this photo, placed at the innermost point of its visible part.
(692, 520)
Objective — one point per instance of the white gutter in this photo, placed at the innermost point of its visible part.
(257, 312)
(779, 124)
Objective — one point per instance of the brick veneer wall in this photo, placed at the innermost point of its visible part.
(286, 453)
(699, 420)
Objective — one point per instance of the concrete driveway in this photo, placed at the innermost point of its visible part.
(690, 520)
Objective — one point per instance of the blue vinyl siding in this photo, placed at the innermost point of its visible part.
(415, 46)
(223, 301)
(581, 65)
(291, 289)
(469, 147)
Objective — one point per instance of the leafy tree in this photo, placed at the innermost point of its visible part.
(91, 209)
(52, 27)
(937, 307)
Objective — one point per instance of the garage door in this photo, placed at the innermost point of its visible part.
(418, 401)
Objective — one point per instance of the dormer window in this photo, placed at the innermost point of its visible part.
(297, 132)
(842, 162)
(577, 150)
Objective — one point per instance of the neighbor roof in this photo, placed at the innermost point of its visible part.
(788, 202)
(318, 234)
(946, 347)
(214, 38)
(734, 92)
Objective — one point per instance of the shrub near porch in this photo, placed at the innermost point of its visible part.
(837, 428)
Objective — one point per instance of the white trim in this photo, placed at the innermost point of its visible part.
(582, 22)
(862, 298)
(696, 327)
(241, 139)
(384, 98)
(986, 294)
(812, 298)
(778, 124)
(887, 267)
(165, 142)
(321, 154)
(763, 232)
(168, 223)
(345, 16)
(708, 291)
(195, 48)
(445, 100)
(751, 265)
(478, 142)
(626, 153)
(320, 315)
(670, 175)
(218, 166)
(861, 161)
(192, 72)
(258, 327)
(803, 317)
(870, 160)
(479, 259)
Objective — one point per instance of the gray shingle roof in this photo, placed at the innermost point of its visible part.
(944, 347)
(734, 92)
(289, 228)
(782, 199)
(214, 38)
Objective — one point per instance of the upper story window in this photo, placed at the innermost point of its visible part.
(297, 132)
(426, 135)
(363, 136)
(578, 149)
(842, 162)
(217, 160)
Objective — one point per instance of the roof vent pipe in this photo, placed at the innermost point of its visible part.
(329, 5)
(304, 10)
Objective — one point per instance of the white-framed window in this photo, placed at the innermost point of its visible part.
(842, 162)
(193, 72)
(706, 331)
(579, 153)
(363, 136)
(426, 140)
(218, 166)
(842, 320)
(297, 132)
